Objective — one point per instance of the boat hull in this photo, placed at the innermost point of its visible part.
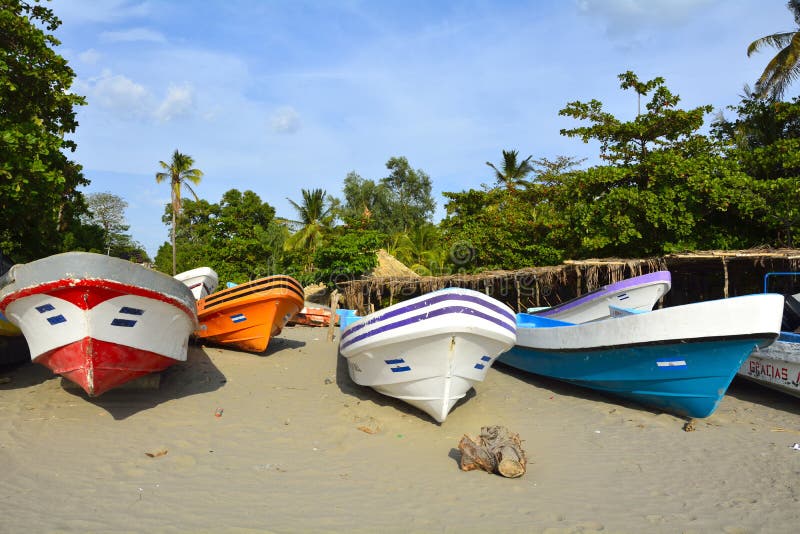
(776, 366)
(639, 293)
(247, 316)
(679, 359)
(431, 350)
(98, 332)
(201, 282)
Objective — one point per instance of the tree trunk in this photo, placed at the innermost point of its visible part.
(173, 242)
(496, 450)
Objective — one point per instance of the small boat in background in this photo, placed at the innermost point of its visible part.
(639, 293)
(312, 316)
(201, 281)
(246, 316)
(96, 320)
(680, 359)
(428, 351)
(778, 365)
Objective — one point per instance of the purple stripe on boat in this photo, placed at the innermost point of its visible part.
(427, 315)
(445, 295)
(636, 281)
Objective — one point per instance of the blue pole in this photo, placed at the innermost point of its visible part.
(766, 276)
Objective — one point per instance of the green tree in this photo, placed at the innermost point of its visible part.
(666, 187)
(316, 214)
(179, 172)
(365, 202)
(784, 67)
(38, 183)
(238, 237)
(512, 173)
(108, 211)
(351, 255)
(409, 196)
(764, 139)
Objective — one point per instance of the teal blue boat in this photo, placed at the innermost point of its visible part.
(679, 360)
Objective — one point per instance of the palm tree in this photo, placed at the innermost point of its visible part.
(179, 172)
(785, 66)
(513, 174)
(315, 218)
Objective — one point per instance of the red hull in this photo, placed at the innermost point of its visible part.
(98, 366)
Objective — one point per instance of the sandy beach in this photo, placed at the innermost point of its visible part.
(285, 442)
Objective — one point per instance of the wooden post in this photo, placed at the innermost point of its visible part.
(725, 270)
(334, 307)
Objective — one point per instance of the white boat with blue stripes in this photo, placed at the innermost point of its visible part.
(428, 351)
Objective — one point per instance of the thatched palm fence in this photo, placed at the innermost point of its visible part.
(696, 277)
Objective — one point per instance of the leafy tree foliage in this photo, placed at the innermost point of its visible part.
(179, 172)
(512, 173)
(397, 203)
(764, 139)
(666, 186)
(350, 255)
(107, 211)
(38, 183)
(316, 214)
(238, 237)
(784, 67)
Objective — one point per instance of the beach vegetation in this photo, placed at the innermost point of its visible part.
(179, 172)
(784, 67)
(39, 195)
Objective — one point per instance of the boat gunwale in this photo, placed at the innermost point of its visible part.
(674, 341)
(121, 287)
(256, 286)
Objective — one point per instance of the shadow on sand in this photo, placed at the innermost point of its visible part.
(565, 389)
(197, 375)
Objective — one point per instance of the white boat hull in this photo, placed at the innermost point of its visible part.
(201, 281)
(776, 366)
(431, 350)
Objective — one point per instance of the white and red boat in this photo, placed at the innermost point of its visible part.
(96, 320)
(202, 281)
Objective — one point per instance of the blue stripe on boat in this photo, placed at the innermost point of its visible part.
(45, 308)
(401, 369)
(446, 295)
(624, 296)
(131, 311)
(238, 318)
(421, 317)
(123, 322)
(486, 358)
(479, 366)
(57, 319)
(392, 362)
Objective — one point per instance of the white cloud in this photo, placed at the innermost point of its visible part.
(179, 102)
(90, 56)
(117, 93)
(625, 17)
(133, 35)
(285, 120)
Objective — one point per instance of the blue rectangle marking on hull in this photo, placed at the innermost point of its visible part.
(238, 318)
(123, 322)
(56, 319)
(401, 369)
(45, 308)
(131, 311)
(392, 362)
(486, 358)
(479, 366)
(623, 296)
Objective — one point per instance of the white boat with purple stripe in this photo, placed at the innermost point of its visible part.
(428, 351)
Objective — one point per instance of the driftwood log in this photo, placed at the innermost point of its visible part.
(496, 450)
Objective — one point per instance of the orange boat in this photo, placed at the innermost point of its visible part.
(248, 315)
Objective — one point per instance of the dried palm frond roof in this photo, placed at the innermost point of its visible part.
(390, 267)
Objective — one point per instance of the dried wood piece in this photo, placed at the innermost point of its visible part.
(496, 450)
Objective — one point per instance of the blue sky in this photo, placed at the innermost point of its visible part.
(280, 95)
